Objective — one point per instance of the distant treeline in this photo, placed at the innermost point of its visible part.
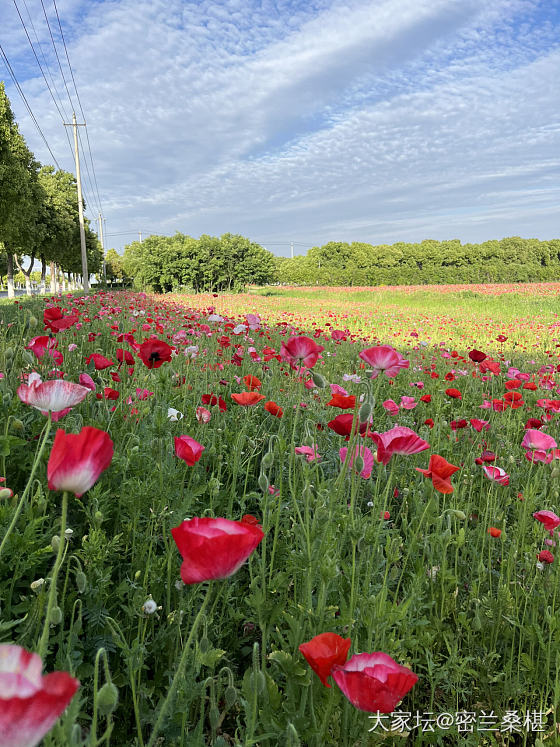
(509, 260)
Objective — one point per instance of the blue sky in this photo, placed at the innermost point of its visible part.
(366, 120)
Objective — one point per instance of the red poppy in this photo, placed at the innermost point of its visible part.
(252, 382)
(494, 532)
(479, 425)
(374, 682)
(454, 393)
(534, 423)
(530, 385)
(426, 398)
(247, 399)
(212, 399)
(513, 384)
(214, 548)
(439, 471)
(342, 401)
(31, 702)
(342, 425)
(457, 424)
(187, 449)
(154, 352)
(77, 460)
(109, 393)
(99, 361)
(273, 409)
(477, 356)
(125, 356)
(486, 456)
(545, 556)
(429, 422)
(324, 651)
(548, 519)
(489, 365)
(56, 321)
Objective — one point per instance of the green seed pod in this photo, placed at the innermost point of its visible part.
(263, 482)
(204, 645)
(555, 473)
(458, 514)
(107, 698)
(27, 357)
(365, 412)
(55, 543)
(267, 460)
(319, 380)
(359, 463)
(81, 581)
(214, 716)
(56, 616)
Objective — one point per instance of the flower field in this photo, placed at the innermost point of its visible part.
(288, 517)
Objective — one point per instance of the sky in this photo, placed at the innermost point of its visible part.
(305, 121)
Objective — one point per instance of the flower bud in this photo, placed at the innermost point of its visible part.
(230, 696)
(55, 543)
(107, 698)
(318, 380)
(555, 472)
(365, 411)
(27, 357)
(36, 585)
(263, 482)
(55, 616)
(267, 460)
(81, 581)
(17, 425)
(458, 514)
(359, 463)
(98, 518)
(33, 322)
(6, 493)
(137, 575)
(9, 354)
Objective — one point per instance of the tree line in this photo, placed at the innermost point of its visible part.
(511, 260)
(38, 212)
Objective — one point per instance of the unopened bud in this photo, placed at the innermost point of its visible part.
(33, 322)
(36, 585)
(98, 518)
(6, 493)
(137, 575)
(27, 357)
(458, 514)
(9, 354)
(17, 425)
(263, 482)
(359, 463)
(81, 581)
(365, 412)
(55, 616)
(555, 472)
(268, 460)
(55, 543)
(107, 698)
(318, 380)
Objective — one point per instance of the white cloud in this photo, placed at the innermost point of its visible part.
(398, 119)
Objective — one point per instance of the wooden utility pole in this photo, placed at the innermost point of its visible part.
(100, 220)
(85, 273)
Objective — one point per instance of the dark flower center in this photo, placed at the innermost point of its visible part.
(154, 356)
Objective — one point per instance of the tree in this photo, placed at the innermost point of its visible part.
(21, 195)
(114, 265)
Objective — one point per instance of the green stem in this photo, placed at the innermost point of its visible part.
(44, 642)
(179, 672)
(23, 498)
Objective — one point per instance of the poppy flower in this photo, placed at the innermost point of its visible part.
(203, 415)
(342, 425)
(534, 423)
(486, 456)
(365, 454)
(99, 361)
(154, 353)
(252, 382)
(31, 703)
(85, 380)
(427, 398)
(187, 449)
(497, 474)
(398, 440)
(125, 356)
(324, 651)
(391, 407)
(273, 409)
(374, 682)
(479, 425)
(109, 393)
(489, 365)
(214, 548)
(439, 471)
(454, 393)
(311, 453)
(408, 403)
(429, 422)
(458, 424)
(477, 356)
(247, 399)
(548, 519)
(44, 344)
(545, 556)
(343, 402)
(55, 320)
(55, 396)
(77, 460)
(494, 532)
(535, 439)
(211, 399)
(301, 351)
(384, 358)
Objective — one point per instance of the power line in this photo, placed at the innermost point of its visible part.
(39, 62)
(21, 93)
(80, 105)
(57, 57)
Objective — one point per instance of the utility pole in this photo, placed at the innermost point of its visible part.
(100, 220)
(140, 236)
(85, 273)
(292, 249)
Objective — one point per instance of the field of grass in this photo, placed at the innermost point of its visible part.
(451, 583)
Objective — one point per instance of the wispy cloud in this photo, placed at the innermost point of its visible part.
(352, 120)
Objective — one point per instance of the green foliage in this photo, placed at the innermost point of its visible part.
(512, 259)
(166, 263)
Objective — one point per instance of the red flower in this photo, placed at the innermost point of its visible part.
(187, 449)
(426, 398)
(454, 393)
(324, 651)
(457, 424)
(77, 460)
(548, 519)
(545, 556)
(478, 425)
(486, 456)
(429, 422)
(497, 474)
(477, 356)
(214, 548)
(374, 682)
(109, 393)
(252, 382)
(125, 356)
(273, 409)
(513, 384)
(31, 703)
(439, 471)
(56, 321)
(211, 399)
(154, 352)
(99, 361)
(494, 532)
(398, 440)
(248, 399)
(342, 425)
(533, 424)
(342, 401)
(301, 351)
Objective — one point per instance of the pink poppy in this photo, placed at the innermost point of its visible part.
(86, 380)
(56, 396)
(478, 425)
(534, 439)
(187, 449)
(367, 457)
(408, 403)
(548, 519)
(391, 407)
(31, 702)
(384, 358)
(497, 474)
(301, 351)
(77, 460)
(398, 440)
(311, 453)
(203, 415)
